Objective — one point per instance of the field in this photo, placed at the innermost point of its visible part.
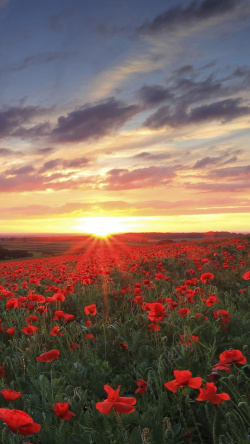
(120, 344)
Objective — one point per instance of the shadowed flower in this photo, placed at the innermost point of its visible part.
(10, 395)
(61, 410)
(142, 386)
(209, 394)
(19, 422)
(232, 357)
(90, 309)
(48, 356)
(116, 402)
(206, 276)
(183, 378)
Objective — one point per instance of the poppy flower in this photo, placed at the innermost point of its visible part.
(209, 394)
(183, 311)
(232, 357)
(48, 356)
(11, 331)
(246, 275)
(19, 422)
(68, 317)
(31, 319)
(206, 276)
(10, 395)
(116, 402)
(183, 378)
(29, 330)
(90, 309)
(143, 385)
(61, 410)
(55, 332)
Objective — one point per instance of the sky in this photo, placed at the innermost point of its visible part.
(131, 115)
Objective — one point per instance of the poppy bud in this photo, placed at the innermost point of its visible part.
(169, 434)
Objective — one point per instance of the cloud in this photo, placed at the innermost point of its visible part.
(154, 94)
(12, 118)
(123, 179)
(196, 12)
(7, 152)
(57, 21)
(35, 60)
(208, 161)
(93, 121)
(224, 111)
(44, 151)
(22, 171)
(218, 187)
(232, 172)
(63, 164)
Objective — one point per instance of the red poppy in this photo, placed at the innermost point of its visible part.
(11, 331)
(206, 276)
(87, 324)
(61, 410)
(90, 309)
(154, 327)
(209, 394)
(55, 332)
(183, 378)
(19, 422)
(122, 344)
(10, 395)
(31, 319)
(183, 311)
(48, 356)
(143, 385)
(116, 402)
(68, 317)
(231, 357)
(74, 346)
(246, 275)
(29, 330)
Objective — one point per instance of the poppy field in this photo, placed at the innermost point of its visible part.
(138, 345)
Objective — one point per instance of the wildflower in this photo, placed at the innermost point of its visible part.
(246, 275)
(29, 330)
(90, 309)
(142, 386)
(19, 422)
(61, 410)
(209, 394)
(231, 357)
(116, 402)
(48, 356)
(183, 378)
(10, 395)
(206, 276)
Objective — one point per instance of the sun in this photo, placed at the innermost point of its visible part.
(101, 226)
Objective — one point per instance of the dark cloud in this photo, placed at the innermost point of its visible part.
(12, 118)
(183, 70)
(57, 21)
(123, 179)
(23, 171)
(63, 164)
(202, 163)
(93, 121)
(154, 94)
(44, 151)
(196, 12)
(231, 172)
(151, 157)
(34, 132)
(36, 59)
(6, 152)
(223, 111)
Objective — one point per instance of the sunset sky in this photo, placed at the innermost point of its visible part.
(133, 109)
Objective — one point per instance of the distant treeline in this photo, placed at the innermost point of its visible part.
(13, 254)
